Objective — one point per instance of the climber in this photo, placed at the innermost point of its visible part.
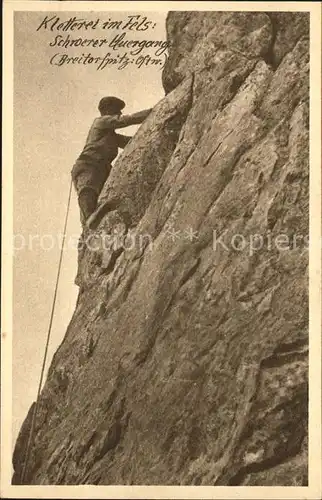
(93, 165)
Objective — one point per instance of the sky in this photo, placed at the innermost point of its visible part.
(54, 107)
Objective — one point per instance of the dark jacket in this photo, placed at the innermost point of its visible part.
(102, 142)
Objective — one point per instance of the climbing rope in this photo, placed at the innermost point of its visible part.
(33, 421)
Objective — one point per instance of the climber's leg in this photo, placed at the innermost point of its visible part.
(84, 179)
(87, 200)
(89, 181)
(102, 176)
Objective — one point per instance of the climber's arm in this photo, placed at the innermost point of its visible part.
(125, 120)
(122, 140)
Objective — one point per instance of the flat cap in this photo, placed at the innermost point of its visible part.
(110, 101)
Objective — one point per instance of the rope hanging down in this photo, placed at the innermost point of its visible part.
(32, 428)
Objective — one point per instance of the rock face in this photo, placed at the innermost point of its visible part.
(185, 361)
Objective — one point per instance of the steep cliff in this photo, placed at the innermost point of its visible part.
(185, 361)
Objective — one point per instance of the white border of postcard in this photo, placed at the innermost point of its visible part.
(314, 490)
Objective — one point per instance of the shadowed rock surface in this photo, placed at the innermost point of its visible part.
(185, 361)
